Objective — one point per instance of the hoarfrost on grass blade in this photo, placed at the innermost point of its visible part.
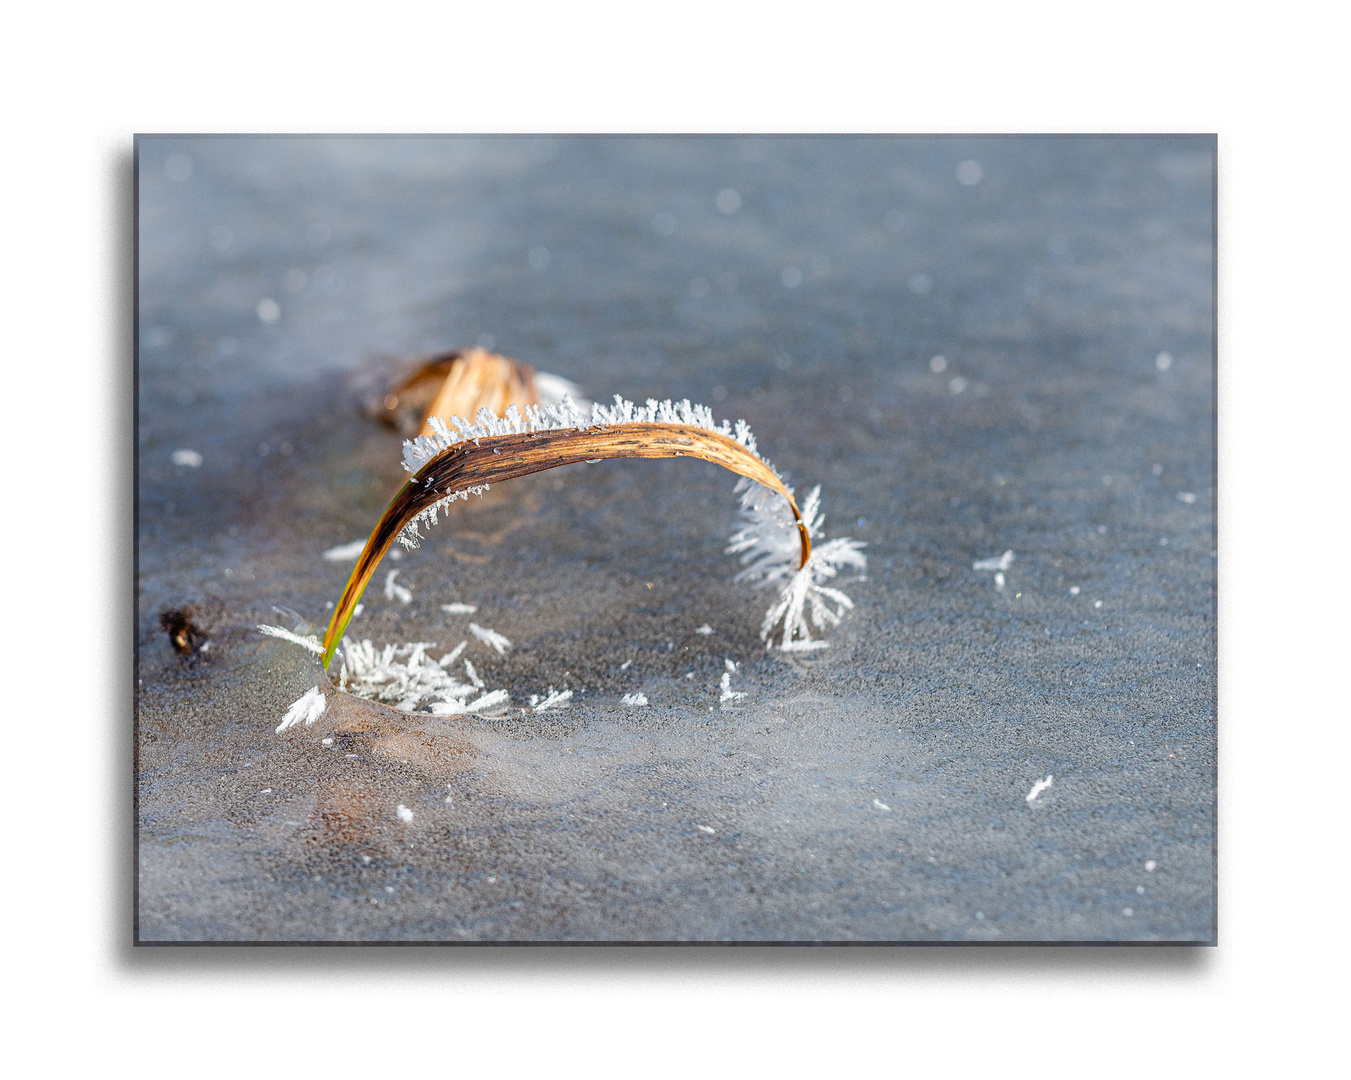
(345, 552)
(459, 609)
(490, 637)
(305, 710)
(308, 641)
(768, 547)
(564, 415)
(633, 699)
(1038, 788)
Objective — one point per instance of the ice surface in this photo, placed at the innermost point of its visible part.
(683, 820)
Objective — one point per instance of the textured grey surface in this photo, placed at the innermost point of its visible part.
(1050, 286)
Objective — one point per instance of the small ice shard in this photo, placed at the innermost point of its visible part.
(490, 637)
(454, 708)
(1097, 603)
(728, 694)
(633, 699)
(1187, 497)
(995, 562)
(305, 710)
(345, 552)
(306, 642)
(705, 629)
(398, 592)
(1150, 866)
(1039, 787)
(188, 459)
(881, 805)
(473, 675)
(405, 815)
(1074, 590)
(459, 609)
(999, 579)
(707, 829)
(555, 699)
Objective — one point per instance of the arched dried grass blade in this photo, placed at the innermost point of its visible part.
(493, 458)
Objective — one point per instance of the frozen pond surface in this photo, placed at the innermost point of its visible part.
(876, 790)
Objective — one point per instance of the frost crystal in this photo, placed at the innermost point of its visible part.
(995, 562)
(769, 547)
(555, 699)
(393, 591)
(633, 699)
(406, 677)
(728, 694)
(307, 642)
(490, 637)
(459, 609)
(345, 552)
(306, 710)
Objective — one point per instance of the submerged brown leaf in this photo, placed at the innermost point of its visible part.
(494, 458)
(455, 384)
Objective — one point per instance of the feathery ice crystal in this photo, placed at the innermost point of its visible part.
(768, 545)
(406, 677)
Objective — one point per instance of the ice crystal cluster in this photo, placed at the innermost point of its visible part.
(560, 417)
(407, 678)
(769, 547)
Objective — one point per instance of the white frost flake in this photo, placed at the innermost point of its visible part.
(995, 562)
(306, 710)
(306, 642)
(459, 609)
(405, 815)
(633, 699)
(345, 552)
(189, 459)
(555, 699)
(881, 805)
(393, 591)
(1038, 788)
(490, 637)
(705, 629)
